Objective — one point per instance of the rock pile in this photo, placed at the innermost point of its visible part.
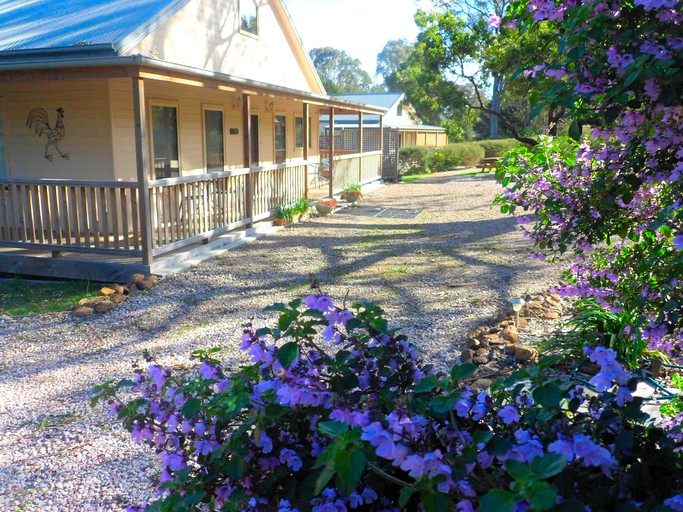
(502, 340)
(112, 296)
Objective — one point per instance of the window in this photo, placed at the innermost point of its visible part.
(299, 132)
(214, 140)
(249, 16)
(280, 139)
(165, 141)
(3, 154)
(255, 154)
(399, 110)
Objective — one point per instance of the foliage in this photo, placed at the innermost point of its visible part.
(352, 187)
(454, 155)
(338, 412)
(497, 147)
(284, 212)
(414, 160)
(19, 297)
(419, 159)
(616, 198)
(340, 73)
(301, 207)
(394, 55)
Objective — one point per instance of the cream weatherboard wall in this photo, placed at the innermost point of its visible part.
(87, 138)
(206, 34)
(191, 102)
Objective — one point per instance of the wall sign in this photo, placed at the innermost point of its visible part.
(39, 120)
(234, 131)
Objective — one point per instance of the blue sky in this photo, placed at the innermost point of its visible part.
(360, 27)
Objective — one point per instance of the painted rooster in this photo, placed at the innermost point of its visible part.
(40, 122)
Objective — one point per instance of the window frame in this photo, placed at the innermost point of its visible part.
(275, 149)
(258, 19)
(213, 108)
(298, 130)
(163, 103)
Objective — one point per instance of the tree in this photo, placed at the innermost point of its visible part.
(340, 73)
(394, 55)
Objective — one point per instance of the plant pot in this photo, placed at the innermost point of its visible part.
(280, 222)
(324, 209)
(351, 196)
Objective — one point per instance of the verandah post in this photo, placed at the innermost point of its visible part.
(246, 128)
(381, 145)
(331, 181)
(360, 146)
(307, 142)
(143, 168)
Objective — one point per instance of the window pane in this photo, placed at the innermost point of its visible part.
(299, 131)
(213, 129)
(165, 134)
(3, 155)
(280, 139)
(249, 16)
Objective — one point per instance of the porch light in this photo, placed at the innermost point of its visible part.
(238, 103)
(270, 107)
(517, 307)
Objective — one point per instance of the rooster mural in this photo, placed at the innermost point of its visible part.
(38, 120)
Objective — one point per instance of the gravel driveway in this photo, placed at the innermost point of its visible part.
(438, 273)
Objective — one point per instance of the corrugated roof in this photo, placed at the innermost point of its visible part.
(386, 99)
(41, 24)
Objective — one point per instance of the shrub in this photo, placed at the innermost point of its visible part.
(414, 160)
(338, 412)
(301, 207)
(454, 155)
(496, 147)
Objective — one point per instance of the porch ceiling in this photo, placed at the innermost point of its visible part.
(40, 66)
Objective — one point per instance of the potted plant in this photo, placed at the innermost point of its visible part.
(352, 193)
(326, 206)
(301, 208)
(283, 215)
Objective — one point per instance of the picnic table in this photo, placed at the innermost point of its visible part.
(488, 163)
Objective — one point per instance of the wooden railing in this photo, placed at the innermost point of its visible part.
(192, 209)
(67, 215)
(356, 168)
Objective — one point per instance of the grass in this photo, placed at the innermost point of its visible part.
(409, 178)
(19, 297)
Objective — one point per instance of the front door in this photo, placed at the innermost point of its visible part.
(255, 157)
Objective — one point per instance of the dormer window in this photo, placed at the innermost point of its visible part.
(249, 17)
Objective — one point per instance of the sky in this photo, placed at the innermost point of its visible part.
(359, 27)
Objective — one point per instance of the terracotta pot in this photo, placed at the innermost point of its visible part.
(280, 222)
(351, 196)
(323, 209)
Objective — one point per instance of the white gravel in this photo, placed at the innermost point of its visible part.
(439, 275)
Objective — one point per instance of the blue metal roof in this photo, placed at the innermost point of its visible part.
(385, 99)
(42, 24)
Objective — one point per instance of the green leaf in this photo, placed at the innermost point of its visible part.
(405, 495)
(549, 465)
(542, 496)
(497, 501)
(435, 502)
(443, 404)
(287, 353)
(349, 468)
(427, 384)
(325, 476)
(518, 470)
(548, 395)
(191, 408)
(463, 371)
(279, 306)
(333, 428)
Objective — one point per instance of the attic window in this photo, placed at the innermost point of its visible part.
(249, 16)
(399, 110)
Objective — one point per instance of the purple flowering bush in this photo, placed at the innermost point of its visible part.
(337, 412)
(617, 197)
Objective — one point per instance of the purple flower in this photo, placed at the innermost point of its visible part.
(591, 453)
(174, 461)
(494, 21)
(678, 242)
(209, 371)
(265, 442)
(509, 414)
(562, 447)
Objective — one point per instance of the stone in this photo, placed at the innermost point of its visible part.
(510, 333)
(556, 297)
(552, 302)
(525, 354)
(118, 298)
(83, 312)
(523, 322)
(510, 349)
(483, 384)
(104, 307)
(505, 323)
(106, 292)
(136, 278)
(477, 332)
(480, 360)
(551, 315)
(495, 330)
(534, 305)
(144, 285)
(153, 279)
(119, 290)
(482, 352)
(474, 344)
(491, 339)
(466, 355)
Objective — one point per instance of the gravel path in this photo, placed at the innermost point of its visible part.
(439, 274)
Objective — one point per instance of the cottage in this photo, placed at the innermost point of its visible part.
(134, 134)
(399, 124)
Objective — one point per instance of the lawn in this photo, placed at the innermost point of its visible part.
(20, 297)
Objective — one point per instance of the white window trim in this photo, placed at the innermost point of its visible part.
(303, 136)
(163, 103)
(280, 114)
(215, 108)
